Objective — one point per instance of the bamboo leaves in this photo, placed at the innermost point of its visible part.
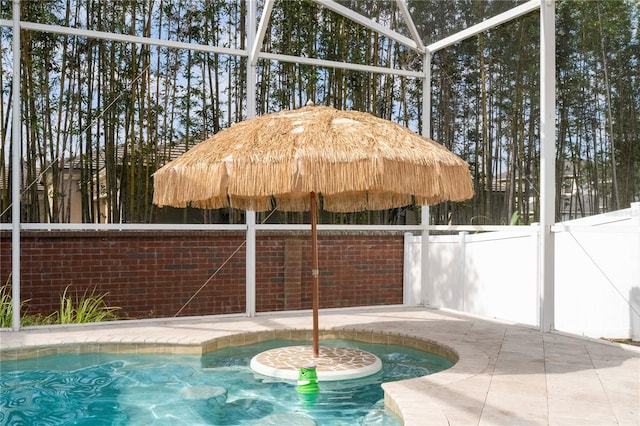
(101, 116)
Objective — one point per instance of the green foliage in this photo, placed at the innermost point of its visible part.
(6, 306)
(6, 309)
(88, 308)
(91, 307)
(515, 219)
(147, 101)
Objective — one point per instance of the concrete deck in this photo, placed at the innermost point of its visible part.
(506, 374)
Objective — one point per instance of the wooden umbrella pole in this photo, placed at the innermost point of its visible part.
(314, 274)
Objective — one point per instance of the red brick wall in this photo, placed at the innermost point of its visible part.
(153, 274)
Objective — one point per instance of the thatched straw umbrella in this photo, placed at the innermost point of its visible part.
(354, 160)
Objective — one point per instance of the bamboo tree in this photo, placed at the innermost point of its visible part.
(607, 90)
(484, 152)
(91, 105)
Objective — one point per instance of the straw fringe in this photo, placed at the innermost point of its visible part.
(355, 160)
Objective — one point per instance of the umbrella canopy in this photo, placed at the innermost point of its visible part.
(355, 160)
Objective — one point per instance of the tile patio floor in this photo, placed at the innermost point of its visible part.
(506, 375)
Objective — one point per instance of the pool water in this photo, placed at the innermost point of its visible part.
(218, 388)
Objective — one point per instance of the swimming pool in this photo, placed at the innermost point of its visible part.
(218, 388)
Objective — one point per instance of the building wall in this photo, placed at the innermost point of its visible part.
(155, 273)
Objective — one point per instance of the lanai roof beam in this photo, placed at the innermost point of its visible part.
(410, 24)
(362, 20)
(262, 30)
(485, 25)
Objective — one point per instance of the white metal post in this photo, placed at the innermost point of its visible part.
(424, 215)
(250, 216)
(16, 175)
(426, 96)
(547, 162)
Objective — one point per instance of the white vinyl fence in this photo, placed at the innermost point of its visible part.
(494, 274)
